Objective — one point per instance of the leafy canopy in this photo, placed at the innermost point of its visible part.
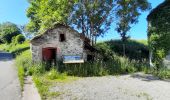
(91, 17)
(8, 30)
(127, 14)
(44, 13)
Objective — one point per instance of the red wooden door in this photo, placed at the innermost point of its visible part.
(49, 53)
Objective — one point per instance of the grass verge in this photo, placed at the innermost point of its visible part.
(46, 81)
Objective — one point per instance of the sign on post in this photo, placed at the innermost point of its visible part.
(73, 59)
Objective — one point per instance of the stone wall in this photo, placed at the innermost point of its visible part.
(72, 46)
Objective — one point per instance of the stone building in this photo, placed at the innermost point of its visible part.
(61, 43)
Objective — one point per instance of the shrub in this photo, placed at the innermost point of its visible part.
(134, 49)
(36, 69)
(54, 74)
(163, 73)
(19, 39)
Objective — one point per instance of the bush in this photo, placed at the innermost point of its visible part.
(19, 39)
(54, 74)
(163, 73)
(36, 69)
(133, 49)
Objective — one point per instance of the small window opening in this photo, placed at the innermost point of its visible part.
(90, 58)
(62, 38)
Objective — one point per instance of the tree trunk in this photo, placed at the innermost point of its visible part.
(124, 50)
(150, 58)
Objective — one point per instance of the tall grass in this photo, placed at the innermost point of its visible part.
(22, 62)
(114, 66)
(16, 49)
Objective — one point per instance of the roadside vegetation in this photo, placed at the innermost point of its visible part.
(109, 62)
(42, 78)
(15, 48)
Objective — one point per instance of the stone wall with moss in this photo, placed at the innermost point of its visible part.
(159, 32)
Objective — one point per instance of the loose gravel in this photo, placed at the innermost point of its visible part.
(137, 86)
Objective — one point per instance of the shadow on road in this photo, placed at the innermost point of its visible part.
(147, 77)
(6, 56)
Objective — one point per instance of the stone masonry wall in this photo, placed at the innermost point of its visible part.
(72, 46)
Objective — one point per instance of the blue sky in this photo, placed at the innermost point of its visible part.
(15, 11)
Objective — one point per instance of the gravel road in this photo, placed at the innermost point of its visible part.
(137, 86)
(9, 83)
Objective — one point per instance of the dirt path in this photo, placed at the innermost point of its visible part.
(9, 83)
(127, 87)
(30, 91)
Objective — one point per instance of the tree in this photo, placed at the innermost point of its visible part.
(127, 13)
(89, 16)
(92, 17)
(8, 30)
(44, 13)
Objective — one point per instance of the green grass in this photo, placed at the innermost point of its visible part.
(22, 62)
(45, 81)
(15, 48)
(21, 75)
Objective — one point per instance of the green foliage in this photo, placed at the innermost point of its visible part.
(15, 48)
(23, 61)
(19, 39)
(36, 69)
(42, 86)
(134, 49)
(114, 66)
(163, 74)
(92, 17)
(44, 13)
(8, 30)
(21, 75)
(53, 74)
(86, 69)
(105, 50)
(159, 32)
(128, 15)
